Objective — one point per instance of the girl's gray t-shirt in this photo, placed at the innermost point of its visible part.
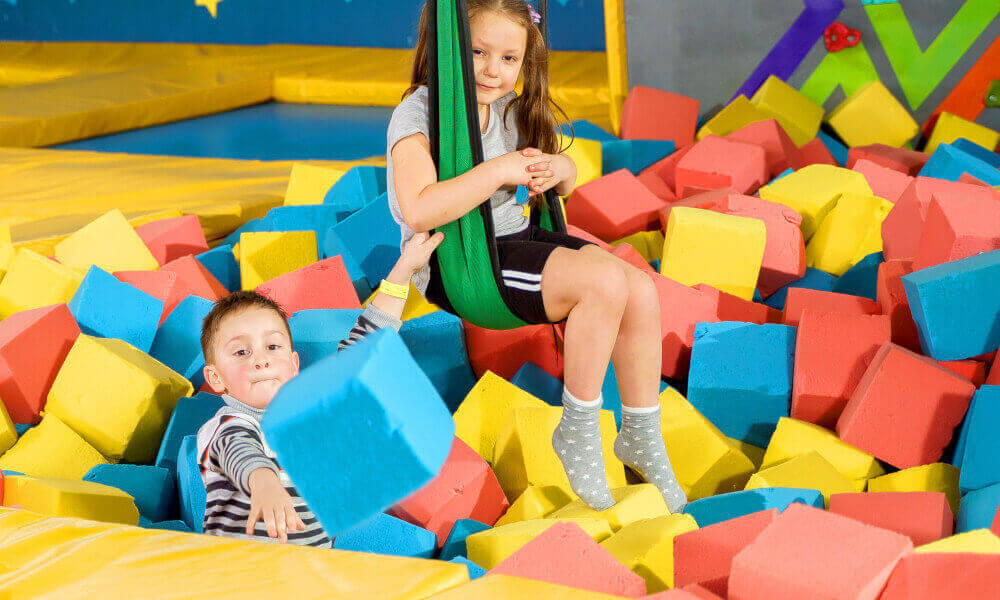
(412, 116)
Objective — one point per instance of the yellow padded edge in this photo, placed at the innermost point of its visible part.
(617, 58)
(506, 587)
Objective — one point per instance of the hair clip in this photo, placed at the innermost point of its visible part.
(535, 17)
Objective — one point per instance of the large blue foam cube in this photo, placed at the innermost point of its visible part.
(106, 307)
(986, 155)
(178, 341)
(956, 306)
(356, 188)
(475, 571)
(251, 226)
(588, 131)
(981, 458)
(861, 279)
(385, 534)
(188, 417)
(539, 383)
(153, 488)
(359, 431)
(437, 343)
(190, 486)
(978, 508)
(317, 332)
(948, 162)
(454, 545)
(741, 377)
(305, 217)
(715, 509)
(814, 279)
(633, 155)
(220, 262)
(370, 236)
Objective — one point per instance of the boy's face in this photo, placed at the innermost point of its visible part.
(498, 46)
(252, 357)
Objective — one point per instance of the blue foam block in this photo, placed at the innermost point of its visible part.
(12, 473)
(106, 307)
(787, 171)
(165, 525)
(588, 131)
(372, 401)
(814, 279)
(455, 544)
(981, 459)
(633, 155)
(957, 447)
(949, 162)
(437, 343)
(306, 217)
(316, 332)
(741, 377)
(251, 226)
(190, 486)
(22, 427)
(152, 488)
(612, 397)
(358, 186)
(220, 262)
(984, 154)
(385, 534)
(715, 509)
(333, 246)
(475, 571)
(178, 341)
(836, 148)
(861, 279)
(370, 236)
(539, 383)
(956, 306)
(978, 508)
(188, 416)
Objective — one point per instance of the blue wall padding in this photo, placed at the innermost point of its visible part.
(861, 279)
(190, 486)
(956, 325)
(385, 534)
(978, 508)
(188, 416)
(178, 341)
(437, 343)
(634, 155)
(152, 488)
(220, 262)
(370, 236)
(454, 545)
(106, 307)
(475, 571)
(949, 162)
(539, 383)
(316, 332)
(359, 431)
(981, 458)
(714, 509)
(814, 279)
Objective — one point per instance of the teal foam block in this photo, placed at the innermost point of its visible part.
(437, 343)
(814, 279)
(633, 155)
(220, 262)
(984, 154)
(741, 377)
(539, 383)
(164, 525)
(861, 279)
(178, 341)
(475, 571)
(454, 545)
(190, 486)
(105, 307)
(370, 237)
(152, 488)
(332, 246)
(978, 508)
(307, 217)
(188, 416)
(948, 162)
(981, 459)
(787, 171)
(22, 427)
(612, 396)
(715, 509)
(359, 431)
(836, 148)
(317, 332)
(358, 187)
(385, 534)
(251, 226)
(588, 131)
(957, 447)
(956, 306)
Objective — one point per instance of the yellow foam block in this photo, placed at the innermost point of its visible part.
(951, 127)
(632, 503)
(33, 281)
(737, 114)
(647, 548)
(6, 249)
(853, 222)
(117, 397)
(265, 255)
(8, 434)
(935, 477)
(170, 213)
(798, 115)
(308, 184)
(489, 547)
(979, 541)
(416, 305)
(71, 498)
(647, 243)
(51, 449)
(872, 241)
(108, 242)
(53, 557)
(508, 587)
(755, 454)
(813, 190)
(792, 438)
(724, 251)
(702, 457)
(523, 454)
(485, 411)
(872, 115)
(587, 156)
(809, 470)
(535, 502)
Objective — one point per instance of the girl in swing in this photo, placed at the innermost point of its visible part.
(611, 308)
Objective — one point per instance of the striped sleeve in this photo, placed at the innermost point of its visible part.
(372, 319)
(237, 452)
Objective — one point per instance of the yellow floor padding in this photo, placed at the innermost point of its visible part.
(506, 587)
(49, 557)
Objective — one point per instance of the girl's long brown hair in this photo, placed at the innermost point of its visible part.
(536, 111)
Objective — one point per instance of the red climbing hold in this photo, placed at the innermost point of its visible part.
(839, 36)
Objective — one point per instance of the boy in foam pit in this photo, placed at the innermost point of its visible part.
(249, 356)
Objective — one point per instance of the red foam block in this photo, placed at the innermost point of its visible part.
(630, 255)
(893, 303)
(504, 352)
(168, 239)
(940, 576)
(814, 152)
(586, 235)
(163, 285)
(800, 299)
(643, 115)
(715, 162)
(957, 227)
(681, 308)
(923, 517)
(655, 184)
(908, 162)
(734, 308)
(884, 182)
(666, 168)
(780, 152)
(905, 408)
(710, 200)
(700, 592)
(994, 375)
(323, 284)
(995, 527)
(679, 594)
(973, 370)
(613, 206)
(197, 278)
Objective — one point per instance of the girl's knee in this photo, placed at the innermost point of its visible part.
(607, 284)
(643, 295)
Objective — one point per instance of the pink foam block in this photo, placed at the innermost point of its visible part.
(163, 285)
(504, 352)
(994, 375)
(715, 162)
(681, 308)
(630, 255)
(832, 351)
(168, 239)
(196, 278)
(885, 182)
(323, 284)
(810, 553)
(923, 517)
(33, 345)
(464, 488)
(734, 308)
(940, 576)
(643, 116)
(969, 178)
(995, 527)
(905, 408)
(679, 594)
(655, 184)
(585, 235)
(973, 370)
(956, 228)
(814, 152)
(908, 162)
(700, 592)
(704, 556)
(780, 152)
(893, 303)
(666, 168)
(800, 299)
(613, 206)
(566, 555)
(709, 200)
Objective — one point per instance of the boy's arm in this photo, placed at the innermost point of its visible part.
(238, 452)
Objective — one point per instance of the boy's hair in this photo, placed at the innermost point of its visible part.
(232, 304)
(536, 111)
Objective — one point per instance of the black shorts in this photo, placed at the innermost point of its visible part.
(522, 257)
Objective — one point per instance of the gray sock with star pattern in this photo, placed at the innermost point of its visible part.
(577, 442)
(640, 446)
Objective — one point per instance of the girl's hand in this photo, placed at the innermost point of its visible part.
(270, 501)
(519, 167)
(417, 252)
(557, 168)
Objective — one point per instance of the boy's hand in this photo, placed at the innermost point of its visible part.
(270, 501)
(417, 252)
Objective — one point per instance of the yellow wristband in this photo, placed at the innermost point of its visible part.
(394, 290)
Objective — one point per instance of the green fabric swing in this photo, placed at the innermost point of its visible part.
(467, 258)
